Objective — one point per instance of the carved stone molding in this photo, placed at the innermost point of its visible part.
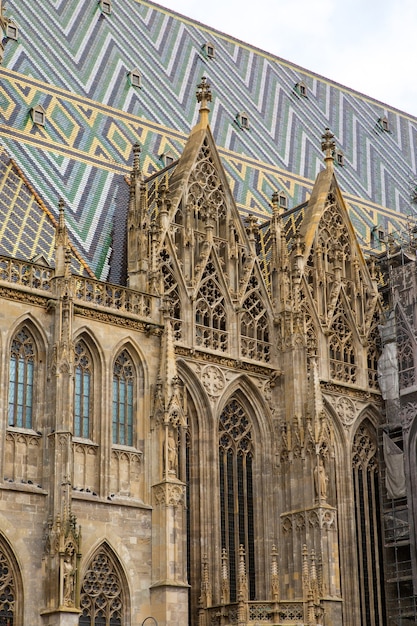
(169, 494)
(322, 518)
(227, 362)
(115, 320)
(332, 389)
(23, 296)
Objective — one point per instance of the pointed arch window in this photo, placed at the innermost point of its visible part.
(82, 391)
(254, 326)
(211, 318)
(342, 351)
(368, 526)
(236, 493)
(102, 598)
(123, 399)
(8, 597)
(21, 379)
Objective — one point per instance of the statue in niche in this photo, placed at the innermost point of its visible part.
(69, 579)
(320, 480)
(172, 453)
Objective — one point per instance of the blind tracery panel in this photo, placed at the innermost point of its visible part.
(254, 327)
(82, 390)
(368, 526)
(341, 350)
(205, 194)
(101, 599)
(21, 379)
(405, 347)
(211, 319)
(171, 290)
(236, 492)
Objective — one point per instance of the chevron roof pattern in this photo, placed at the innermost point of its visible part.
(75, 61)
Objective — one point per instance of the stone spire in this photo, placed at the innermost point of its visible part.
(62, 247)
(203, 94)
(137, 227)
(328, 145)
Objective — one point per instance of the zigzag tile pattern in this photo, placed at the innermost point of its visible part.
(74, 61)
(27, 229)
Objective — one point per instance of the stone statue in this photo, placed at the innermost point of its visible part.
(172, 453)
(69, 583)
(320, 480)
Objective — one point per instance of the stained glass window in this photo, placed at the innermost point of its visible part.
(368, 526)
(82, 391)
(236, 493)
(123, 396)
(21, 378)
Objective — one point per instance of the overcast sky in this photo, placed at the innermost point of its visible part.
(367, 45)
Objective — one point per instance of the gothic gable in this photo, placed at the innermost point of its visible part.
(334, 269)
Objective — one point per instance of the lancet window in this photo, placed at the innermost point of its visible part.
(21, 379)
(405, 347)
(82, 390)
(341, 350)
(236, 493)
(368, 526)
(7, 591)
(123, 399)
(102, 599)
(211, 319)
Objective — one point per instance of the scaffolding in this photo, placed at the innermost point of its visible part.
(401, 600)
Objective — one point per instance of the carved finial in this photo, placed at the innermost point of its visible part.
(225, 591)
(136, 157)
(328, 145)
(275, 203)
(203, 94)
(274, 574)
(61, 208)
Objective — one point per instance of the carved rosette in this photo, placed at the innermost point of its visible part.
(169, 494)
(213, 380)
(346, 410)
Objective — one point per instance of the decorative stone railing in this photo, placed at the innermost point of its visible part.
(30, 276)
(24, 274)
(260, 613)
(93, 292)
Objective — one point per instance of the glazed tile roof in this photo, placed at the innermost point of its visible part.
(27, 228)
(74, 61)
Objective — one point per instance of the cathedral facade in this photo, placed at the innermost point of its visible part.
(202, 443)
(207, 379)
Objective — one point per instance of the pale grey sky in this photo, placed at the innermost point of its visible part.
(367, 45)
